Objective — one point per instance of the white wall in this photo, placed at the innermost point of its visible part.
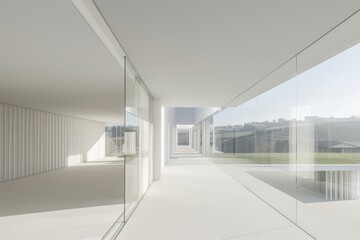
(202, 113)
(184, 116)
(33, 141)
(191, 115)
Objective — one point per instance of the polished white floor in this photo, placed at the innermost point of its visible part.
(74, 203)
(196, 200)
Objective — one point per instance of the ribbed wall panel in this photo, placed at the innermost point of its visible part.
(33, 141)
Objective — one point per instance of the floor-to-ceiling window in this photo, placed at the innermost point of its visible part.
(138, 138)
(297, 146)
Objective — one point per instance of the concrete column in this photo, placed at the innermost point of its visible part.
(204, 132)
(157, 140)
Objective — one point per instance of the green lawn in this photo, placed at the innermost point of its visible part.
(283, 158)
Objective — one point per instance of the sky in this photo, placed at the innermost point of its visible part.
(330, 89)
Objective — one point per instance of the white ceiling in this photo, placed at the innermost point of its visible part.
(203, 53)
(51, 60)
(190, 53)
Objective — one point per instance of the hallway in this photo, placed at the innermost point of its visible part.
(196, 200)
(72, 203)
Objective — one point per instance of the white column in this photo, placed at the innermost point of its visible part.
(157, 140)
(204, 132)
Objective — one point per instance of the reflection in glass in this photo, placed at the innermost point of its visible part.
(253, 143)
(297, 146)
(328, 147)
(137, 141)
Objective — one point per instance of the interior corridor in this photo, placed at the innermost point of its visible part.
(79, 202)
(196, 200)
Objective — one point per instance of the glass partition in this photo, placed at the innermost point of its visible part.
(62, 177)
(252, 143)
(328, 147)
(297, 146)
(138, 157)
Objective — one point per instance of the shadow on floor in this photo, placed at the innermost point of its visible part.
(286, 183)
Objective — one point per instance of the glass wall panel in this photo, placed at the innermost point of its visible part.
(59, 173)
(209, 145)
(138, 159)
(297, 146)
(253, 144)
(328, 149)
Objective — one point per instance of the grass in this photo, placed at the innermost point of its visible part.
(283, 158)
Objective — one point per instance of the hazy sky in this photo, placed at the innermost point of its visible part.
(330, 89)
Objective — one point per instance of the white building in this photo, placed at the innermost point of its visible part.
(203, 120)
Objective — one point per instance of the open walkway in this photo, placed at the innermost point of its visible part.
(196, 200)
